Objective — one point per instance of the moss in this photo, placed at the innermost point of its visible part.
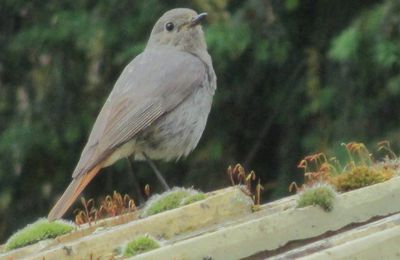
(322, 195)
(170, 200)
(361, 176)
(140, 245)
(166, 202)
(391, 164)
(193, 198)
(37, 231)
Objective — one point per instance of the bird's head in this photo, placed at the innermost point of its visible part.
(179, 28)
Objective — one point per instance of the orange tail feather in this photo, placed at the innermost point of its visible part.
(71, 193)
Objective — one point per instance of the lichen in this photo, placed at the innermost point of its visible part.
(321, 194)
(170, 200)
(37, 231)
(140, 245)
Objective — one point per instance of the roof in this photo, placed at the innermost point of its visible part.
(363, 222)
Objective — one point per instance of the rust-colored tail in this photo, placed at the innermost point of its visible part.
(71, 193)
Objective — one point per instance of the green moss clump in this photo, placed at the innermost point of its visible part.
(193, 198)
(140, 245)
(361, 176)
(37, 231)
(170, 200)
(322, 195)
(166, 202)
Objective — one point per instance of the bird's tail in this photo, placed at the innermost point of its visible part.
(71, 193)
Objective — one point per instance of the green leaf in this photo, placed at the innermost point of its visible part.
(345, 46)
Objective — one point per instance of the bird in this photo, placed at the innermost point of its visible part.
(158, 107)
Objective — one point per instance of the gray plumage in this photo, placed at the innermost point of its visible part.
(158, 106)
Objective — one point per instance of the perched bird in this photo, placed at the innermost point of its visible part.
(158, 107)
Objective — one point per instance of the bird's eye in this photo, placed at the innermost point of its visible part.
(169, 26)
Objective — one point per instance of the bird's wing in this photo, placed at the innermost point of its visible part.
(153, 84)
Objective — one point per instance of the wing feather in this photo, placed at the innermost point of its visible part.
(153, 84)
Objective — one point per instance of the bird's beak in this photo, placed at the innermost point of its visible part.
(197, 19)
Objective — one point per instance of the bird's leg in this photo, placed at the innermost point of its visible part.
(135, 179)
(157, 172)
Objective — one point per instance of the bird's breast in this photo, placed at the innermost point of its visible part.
(178, 132)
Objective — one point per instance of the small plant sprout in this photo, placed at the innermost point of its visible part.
(238, 176)
(257, 196)
(358, 154)
(293, 187)
(320, 194)
(116, 205)
(390, 160)
(140, 245)
(317, 168)
(359, 171)
(259, 190)
(87, 214)
(40, 230)
(147, 190)
(385, 146)
(170, 200)
(110, 206)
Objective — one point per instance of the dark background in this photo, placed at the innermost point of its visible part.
(294, 77)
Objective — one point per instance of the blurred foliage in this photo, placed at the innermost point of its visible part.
(294, 77)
